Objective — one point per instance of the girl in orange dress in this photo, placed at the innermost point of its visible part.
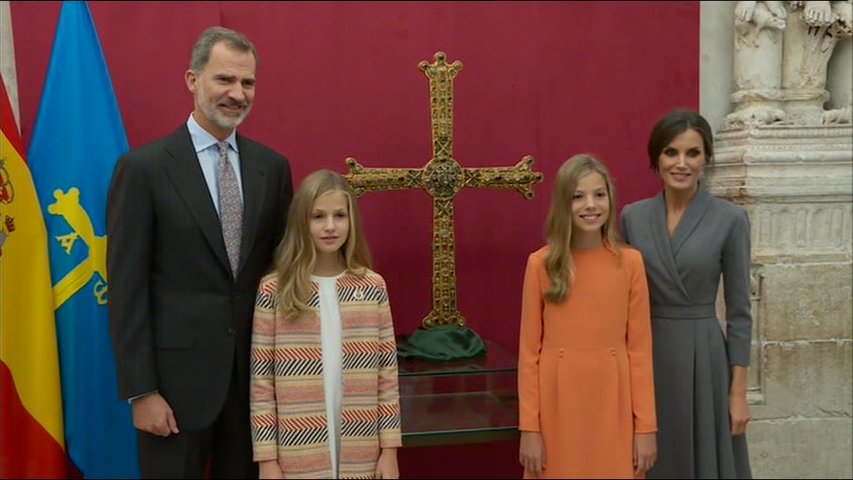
(585, 382)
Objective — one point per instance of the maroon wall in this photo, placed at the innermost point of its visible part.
(340, 79)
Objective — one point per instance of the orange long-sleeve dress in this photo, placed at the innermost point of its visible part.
(585, 365)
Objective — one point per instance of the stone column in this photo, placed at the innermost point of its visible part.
(758, 47)
(813, 30)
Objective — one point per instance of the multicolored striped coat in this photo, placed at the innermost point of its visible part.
(288, 410)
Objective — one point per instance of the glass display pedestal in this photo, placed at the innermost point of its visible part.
(462, 401)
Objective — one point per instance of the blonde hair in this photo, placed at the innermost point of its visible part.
(296, 255)
(558, 230)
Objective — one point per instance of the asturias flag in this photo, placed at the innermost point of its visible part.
(31, 438)
(78, 137)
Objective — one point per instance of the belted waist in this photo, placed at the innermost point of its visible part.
(684, 311)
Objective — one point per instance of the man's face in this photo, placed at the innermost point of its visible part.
(224, 89)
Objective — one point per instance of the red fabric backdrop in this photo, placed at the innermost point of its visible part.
(339, 79)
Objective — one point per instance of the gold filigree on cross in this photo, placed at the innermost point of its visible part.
(442, 177)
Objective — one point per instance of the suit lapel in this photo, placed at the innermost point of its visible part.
(691, 219)
(253, 174)
(662, 242)
(185, 174)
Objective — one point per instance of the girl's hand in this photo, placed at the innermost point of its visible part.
(270, 469)
(531, 453)
(645, 452)
(386, 465)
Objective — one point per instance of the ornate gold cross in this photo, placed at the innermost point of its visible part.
(442, 177)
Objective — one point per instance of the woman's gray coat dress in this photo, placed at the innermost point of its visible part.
(692, 355)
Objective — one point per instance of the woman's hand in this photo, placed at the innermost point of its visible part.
(739, 413)
(738, 407)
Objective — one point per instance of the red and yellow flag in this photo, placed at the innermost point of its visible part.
(31, 433)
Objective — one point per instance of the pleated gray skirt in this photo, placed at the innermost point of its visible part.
(692, 376)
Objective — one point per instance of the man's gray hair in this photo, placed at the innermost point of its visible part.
(213, 35)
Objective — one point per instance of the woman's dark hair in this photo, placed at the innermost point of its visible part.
(675, 123)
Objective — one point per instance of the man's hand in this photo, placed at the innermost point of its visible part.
(153, 414)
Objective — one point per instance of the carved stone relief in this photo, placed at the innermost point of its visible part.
(781, 52)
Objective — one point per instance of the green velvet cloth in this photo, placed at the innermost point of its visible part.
(441, 343)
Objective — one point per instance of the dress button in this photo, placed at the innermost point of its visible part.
(232, 332)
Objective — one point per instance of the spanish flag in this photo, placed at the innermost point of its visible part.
(78, 136)
(32, 443)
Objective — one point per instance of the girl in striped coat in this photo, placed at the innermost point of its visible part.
(324, 395)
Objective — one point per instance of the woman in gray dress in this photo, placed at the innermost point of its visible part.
(688, 239)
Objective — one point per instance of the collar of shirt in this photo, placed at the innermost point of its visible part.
(207, 152)
(202, 139)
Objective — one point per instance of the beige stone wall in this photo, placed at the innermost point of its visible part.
(796, 183)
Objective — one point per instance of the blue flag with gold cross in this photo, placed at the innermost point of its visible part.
(77, 138)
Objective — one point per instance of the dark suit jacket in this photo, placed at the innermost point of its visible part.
(177, 315)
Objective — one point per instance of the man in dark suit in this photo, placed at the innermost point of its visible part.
(193, 221)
